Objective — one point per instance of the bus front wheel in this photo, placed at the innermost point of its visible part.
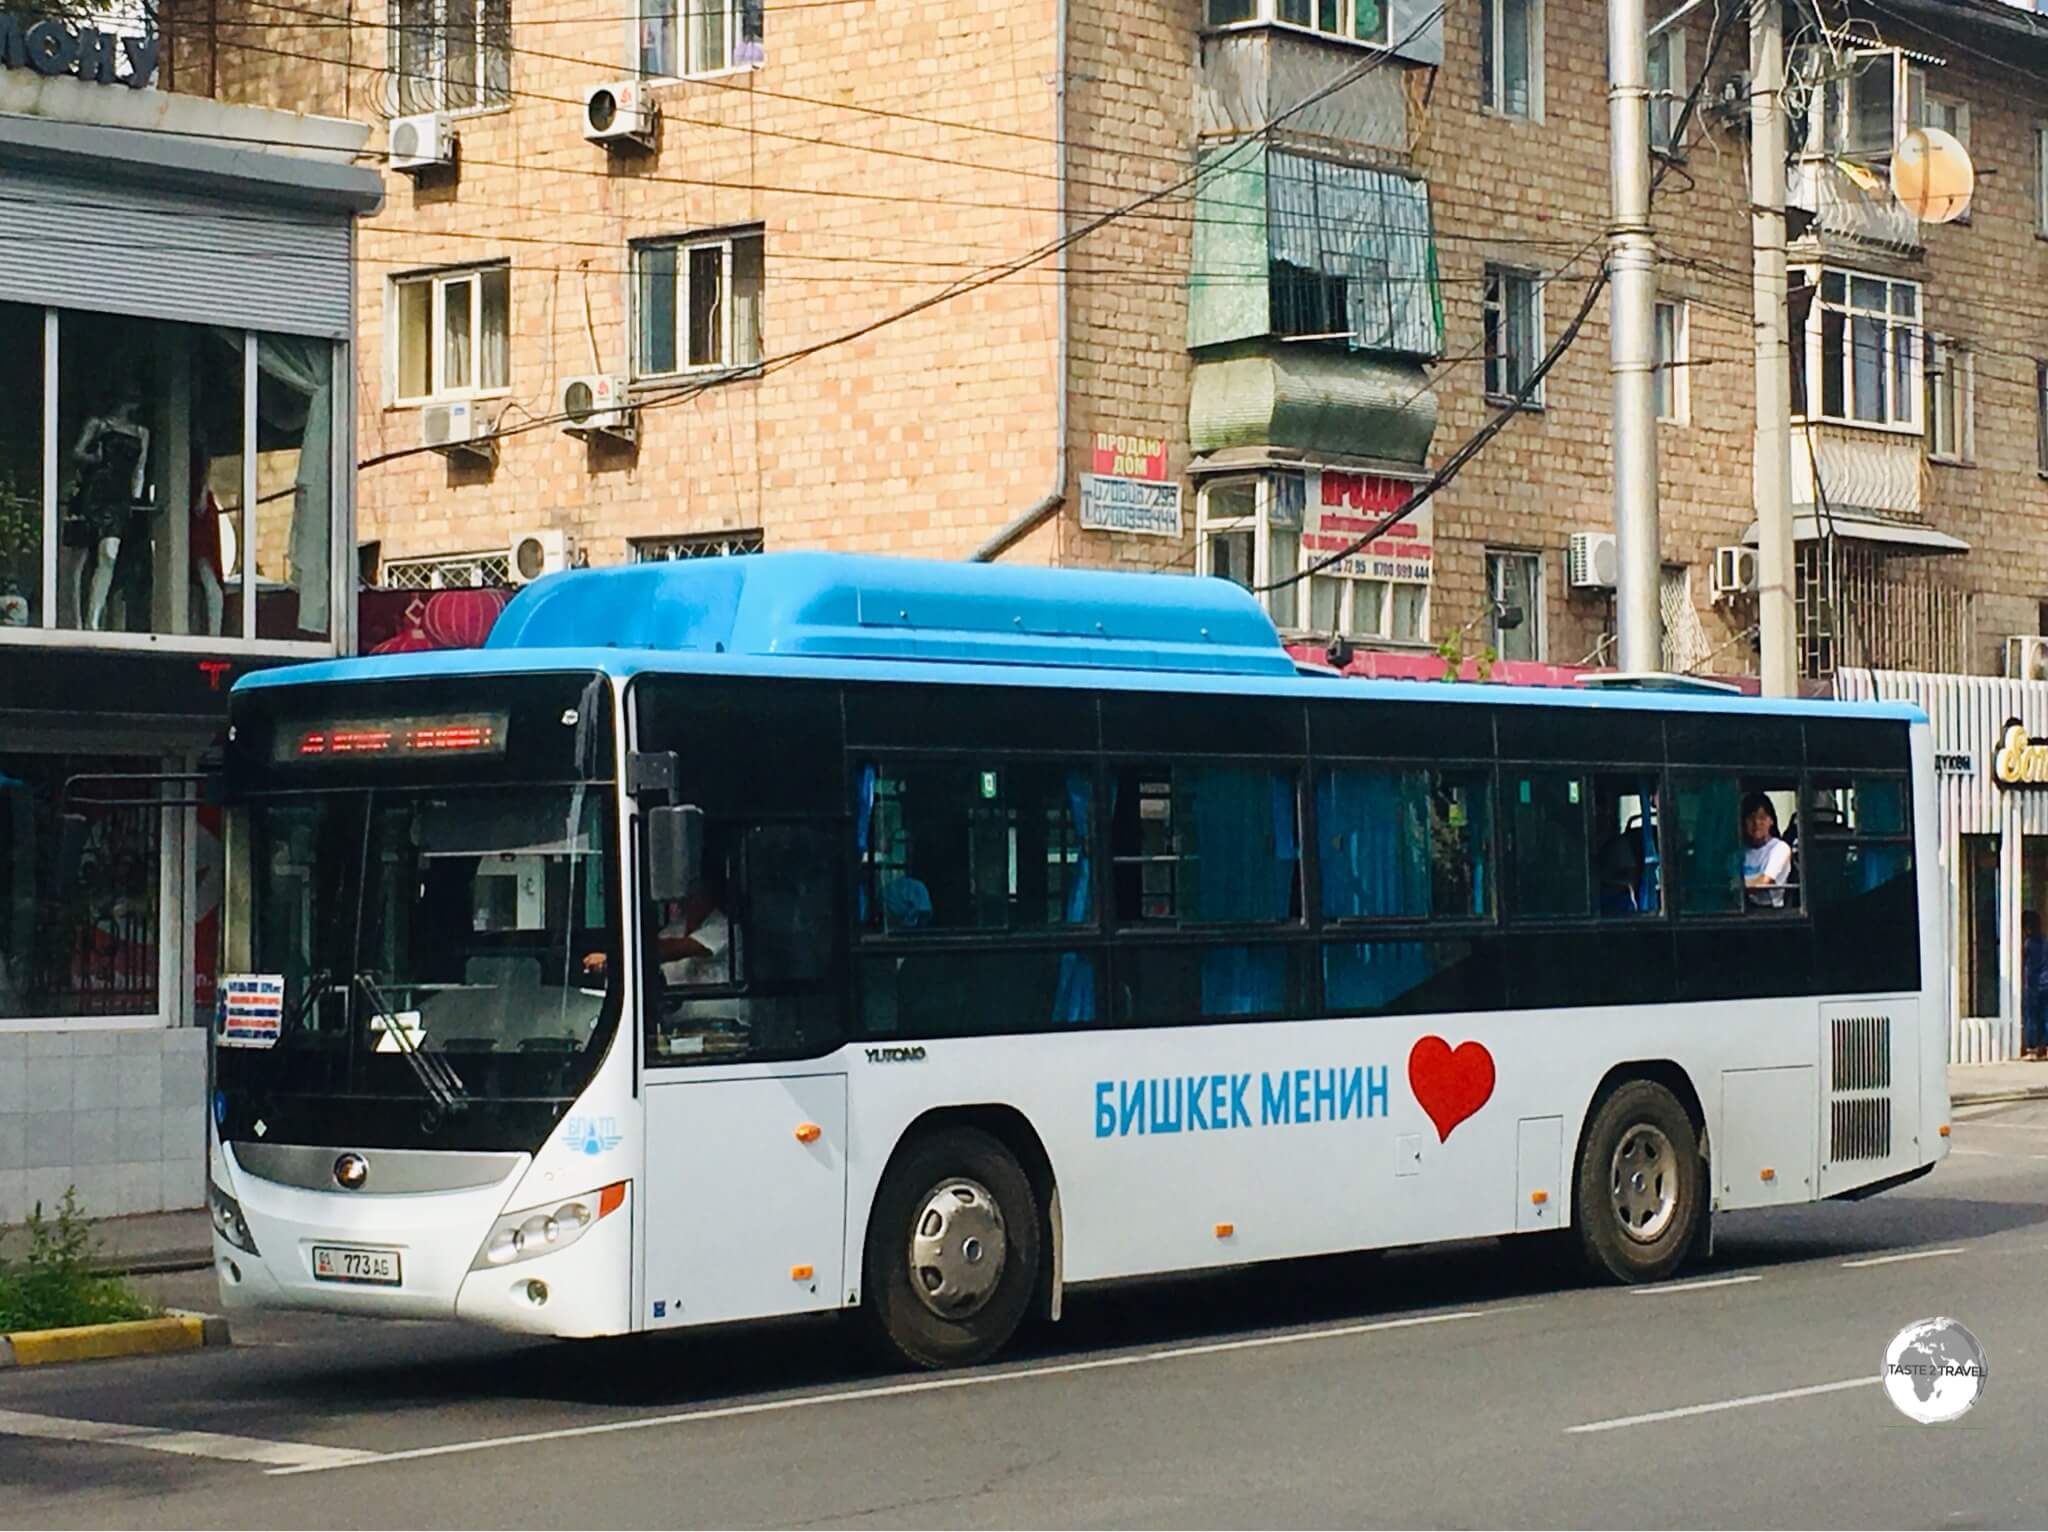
(1641, 1185)
(953, 1250)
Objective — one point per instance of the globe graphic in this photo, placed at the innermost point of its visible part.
(1934, 1371)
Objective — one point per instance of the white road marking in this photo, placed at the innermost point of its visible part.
(1657, 1288)
(890, 1391)
(2010, 1127)
(1998, 1154)
(1910, 1255)
(195, 1444)
(1720, 1404)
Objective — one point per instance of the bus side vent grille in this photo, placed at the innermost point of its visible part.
(1863, 1053)
(1862, 1129)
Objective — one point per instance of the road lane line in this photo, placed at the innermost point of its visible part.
(889, 1391)
(1718, 1405)
(1910, 1255)
(1690, 1287)
(1999, 1154)
(196, 1444)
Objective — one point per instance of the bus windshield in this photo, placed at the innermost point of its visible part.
(440, 949)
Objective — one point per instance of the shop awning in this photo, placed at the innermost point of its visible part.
(1810, 528)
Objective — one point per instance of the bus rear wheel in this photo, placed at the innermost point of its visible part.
(1641, 1188)
(953, 1250)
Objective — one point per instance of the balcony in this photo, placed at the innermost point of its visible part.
(1848, 220)
(1250, 75)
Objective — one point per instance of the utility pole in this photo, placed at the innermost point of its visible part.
(1773, 445)
(1632, 310)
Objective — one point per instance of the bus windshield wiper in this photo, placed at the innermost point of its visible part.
(441, 1082)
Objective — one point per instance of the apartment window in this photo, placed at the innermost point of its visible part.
(698, 303)
(1512, 314)
(452, 335)
(1511, 57)
(1669, 382)
(452, 55)
(1867, 103)
(1951, 387)
(2041, 180)
(2041, 417)
(696, 545)
(1514, 581)
(698, 37)
(1951, 114)
(455, 571)
(1365, 20)
(1667, 85)
(1863, 339)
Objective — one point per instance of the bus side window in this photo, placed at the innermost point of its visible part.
(1206, 844)
(1707, 845)
(1405, 842)
(1627, 846)
(1548, 856)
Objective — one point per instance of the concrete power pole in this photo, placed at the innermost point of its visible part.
(1632, 278)
(1773, 447)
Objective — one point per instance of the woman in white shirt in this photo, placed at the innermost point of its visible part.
(1766, 859)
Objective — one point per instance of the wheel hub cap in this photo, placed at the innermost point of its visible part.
(957, 1248)
(1645, 1183)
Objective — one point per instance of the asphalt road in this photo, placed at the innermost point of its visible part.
(1451, 1387)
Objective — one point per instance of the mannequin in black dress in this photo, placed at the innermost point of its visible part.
(112, 454)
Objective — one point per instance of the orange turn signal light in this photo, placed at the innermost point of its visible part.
(611, 1199)
(1767, 1174)
(1944, 1130)
(1225, 1230)
(807, 1132)
(799, 1273)
(1539, 1198)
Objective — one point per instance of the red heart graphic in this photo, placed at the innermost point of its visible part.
(1451, 1085)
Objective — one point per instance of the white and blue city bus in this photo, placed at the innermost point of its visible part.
(763, 936)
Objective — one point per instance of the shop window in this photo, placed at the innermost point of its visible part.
(451, 339)
(698, 37)
(1511, 316)
(1511, 57)
(698, 303)
(1977, 947)
(86, 945)
(449, 55)
(1863, 339)
(21, 471)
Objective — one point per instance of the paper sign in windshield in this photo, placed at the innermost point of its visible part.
(251, 1010)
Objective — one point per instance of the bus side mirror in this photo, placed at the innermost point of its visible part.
(71, 835)
(675, 850)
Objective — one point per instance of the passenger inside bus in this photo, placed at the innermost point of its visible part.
(1766, 859)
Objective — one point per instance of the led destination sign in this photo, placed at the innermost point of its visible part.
(393, 738)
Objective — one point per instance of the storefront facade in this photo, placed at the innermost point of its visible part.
(1994, 839)
(176, 454)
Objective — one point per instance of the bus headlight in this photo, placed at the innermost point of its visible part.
(228, 1222)
(537, 1231)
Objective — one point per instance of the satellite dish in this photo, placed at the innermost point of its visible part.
(1932, 175)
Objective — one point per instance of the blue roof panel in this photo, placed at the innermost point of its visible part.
(845, 606)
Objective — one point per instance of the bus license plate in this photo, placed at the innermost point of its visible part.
(340, 1263)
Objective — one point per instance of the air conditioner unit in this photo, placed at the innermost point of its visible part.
(1734, 571)
(597, 406)
(422, 142)
(1590, 562)
(617, 114)
(457, 427)
(2026, 658)
(540, 552)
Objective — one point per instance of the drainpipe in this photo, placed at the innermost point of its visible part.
(1043, 510)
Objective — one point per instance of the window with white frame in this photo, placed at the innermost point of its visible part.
(677, 38)
(1667, 85)
(452, 335)
(696, 545)
(453, 571)
(1511, 57)
(1951, 114)
(1863, 343)
(697, 303)
(1514, 582)
(1365, 20)
(1249, 529)
(449, 55)
(1511, 314)
(1867, 101)
(1951, 390)
(1669, 382)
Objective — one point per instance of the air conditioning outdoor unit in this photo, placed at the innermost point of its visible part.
(597, 406)
(1590, 561)
(1734, 571)
(457, 427)
(2026, 658)
(422, 142)
(542, 551)
(618, 114)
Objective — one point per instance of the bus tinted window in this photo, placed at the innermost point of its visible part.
(961, 994)
(1547, 846)
(1627, 853)
(971, 718)
(1536, 732)
(977, 844)
(1205, 844)
(1183, 724)
(1729, 737)
(1182, 982)
(1852, 743)
(747, 747)
(1445, 731)
(1707, 846)
(1403, 978)
(1410, 843)
(1866, 922)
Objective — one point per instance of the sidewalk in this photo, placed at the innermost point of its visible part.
(1969, 1084)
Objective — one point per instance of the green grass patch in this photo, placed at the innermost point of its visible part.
(55, 1285)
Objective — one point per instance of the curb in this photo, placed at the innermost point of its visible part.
(92, 1343)
(1987, 1097)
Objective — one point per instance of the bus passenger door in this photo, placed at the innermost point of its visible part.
(745, 1198)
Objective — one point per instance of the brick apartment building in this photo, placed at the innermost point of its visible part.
(1237, 373)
